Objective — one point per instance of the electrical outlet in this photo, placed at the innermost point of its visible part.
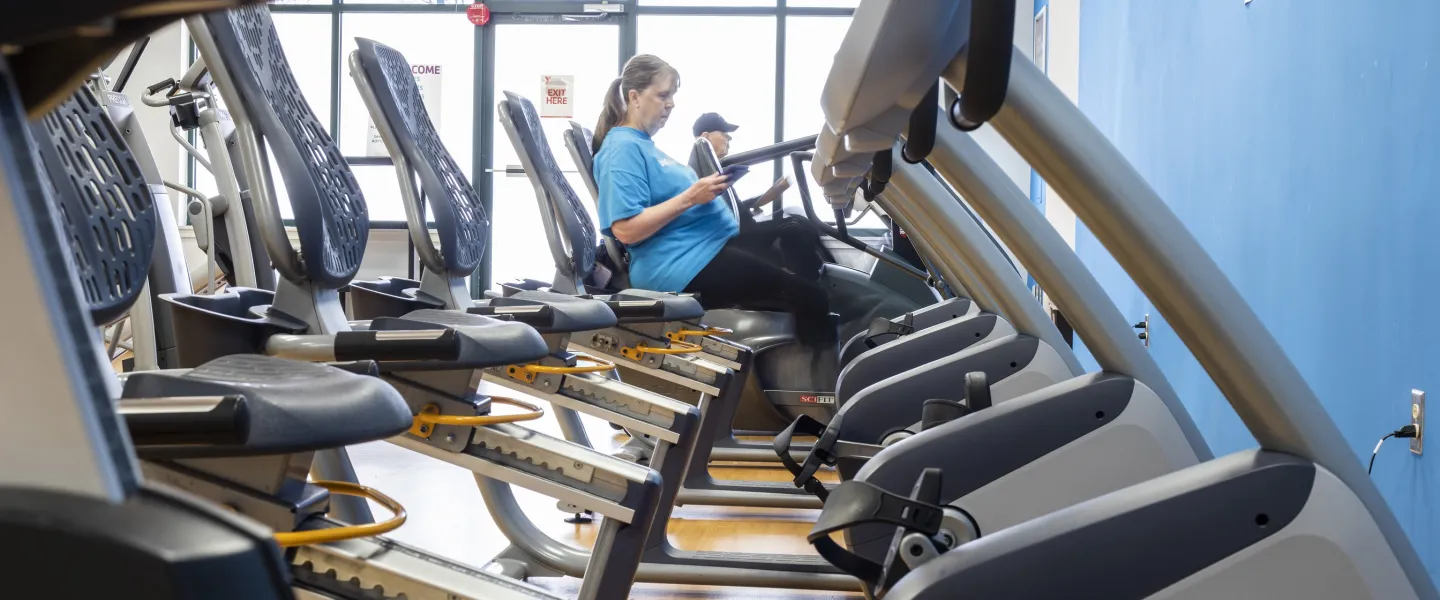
(1144, 327)
(1417, 418)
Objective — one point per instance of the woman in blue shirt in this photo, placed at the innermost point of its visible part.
(681, 235)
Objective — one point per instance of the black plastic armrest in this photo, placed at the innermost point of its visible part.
(534, 315)
(358, 367)
(208, 420)
(631, 309)
(406, 345)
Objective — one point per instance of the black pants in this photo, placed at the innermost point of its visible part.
(771, 265)
(789, 226)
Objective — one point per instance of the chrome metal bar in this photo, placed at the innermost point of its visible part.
(309, 348)
(283, 255)
(174, 404)
(143, 342)
(228, 183)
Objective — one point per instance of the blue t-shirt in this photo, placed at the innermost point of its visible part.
(633, 175)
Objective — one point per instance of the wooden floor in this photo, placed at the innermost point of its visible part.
(448, 517)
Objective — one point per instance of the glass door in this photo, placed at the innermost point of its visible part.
(527, 50)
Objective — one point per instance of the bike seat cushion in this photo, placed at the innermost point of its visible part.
(675, 307)
(570, 314)
(291, 406)
(494, 342)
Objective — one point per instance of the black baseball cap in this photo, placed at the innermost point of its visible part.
(711, 122)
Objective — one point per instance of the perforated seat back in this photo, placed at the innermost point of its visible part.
(460, 218)
(330, 213)
(578, 140)
(572, 235)
(106, 212)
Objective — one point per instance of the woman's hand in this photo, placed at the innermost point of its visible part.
(640, 227)
(706, 189)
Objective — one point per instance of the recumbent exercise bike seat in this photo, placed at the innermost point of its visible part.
(488, 342)
(152, 541)
(331, 220)
(402, 298)
(630, 306)
(759, 328)
(674, 307)
(563, 313)
(156, 542)
(577, 226)
(461, 224)
(289, 406)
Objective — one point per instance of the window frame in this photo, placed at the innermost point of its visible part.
(508, 10)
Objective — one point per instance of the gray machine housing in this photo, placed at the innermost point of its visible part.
(1034, 454)
(1296, 518)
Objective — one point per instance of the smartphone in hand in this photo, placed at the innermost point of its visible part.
(733, 173)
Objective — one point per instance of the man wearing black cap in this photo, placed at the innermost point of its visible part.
(715, 128)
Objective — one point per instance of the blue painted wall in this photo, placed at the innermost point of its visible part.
(1300, 142)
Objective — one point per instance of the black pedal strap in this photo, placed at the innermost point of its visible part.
(882, 328)
(857, 503)
(805, 474)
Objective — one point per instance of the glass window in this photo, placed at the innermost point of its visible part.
(815, 3)
(379, 182)
(442, 47)
(204, 181)
(734, 79)
(590, 53)
(724, 3)
(306, 40)
(810, 46)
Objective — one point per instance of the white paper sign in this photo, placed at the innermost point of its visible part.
(427, 78)
(557, 96)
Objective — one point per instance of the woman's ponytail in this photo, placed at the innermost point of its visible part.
(613, 114)
(639, 73)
